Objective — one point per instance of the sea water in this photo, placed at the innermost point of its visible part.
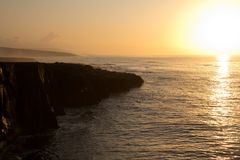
(188, 108)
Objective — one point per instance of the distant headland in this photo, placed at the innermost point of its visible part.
(30, 53)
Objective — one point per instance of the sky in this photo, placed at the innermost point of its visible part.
(105, 27)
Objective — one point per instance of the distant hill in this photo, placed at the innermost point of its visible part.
(15, 52)
(13, 59)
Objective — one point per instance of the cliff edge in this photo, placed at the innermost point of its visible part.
(32, 94)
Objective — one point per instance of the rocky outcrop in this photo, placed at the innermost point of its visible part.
(82, 85)
(32, 94)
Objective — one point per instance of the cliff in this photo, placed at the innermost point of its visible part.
(32, 94)
(82, 85)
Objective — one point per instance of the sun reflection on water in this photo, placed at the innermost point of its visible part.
(221, 88)
(222, 112)
(223, 61)
(220, 91)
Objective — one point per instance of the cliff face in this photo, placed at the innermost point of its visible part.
(32, 94)
(25, 106)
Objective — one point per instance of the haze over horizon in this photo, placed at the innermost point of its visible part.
(122, 27)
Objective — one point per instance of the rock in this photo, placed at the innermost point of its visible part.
(74, 85)
(32, 94)
(25, 107)
(34, 110)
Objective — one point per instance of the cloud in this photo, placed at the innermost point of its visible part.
(50, 37)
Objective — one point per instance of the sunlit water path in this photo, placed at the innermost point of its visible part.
(187, 109)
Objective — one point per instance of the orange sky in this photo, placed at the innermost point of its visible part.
(102, 27)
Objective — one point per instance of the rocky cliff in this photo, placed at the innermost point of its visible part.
(32, 94)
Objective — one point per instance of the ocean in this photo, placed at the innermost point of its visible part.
(188, 108)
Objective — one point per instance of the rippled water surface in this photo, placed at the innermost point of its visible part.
(187, 109)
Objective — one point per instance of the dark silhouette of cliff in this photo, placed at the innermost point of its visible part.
(33, 94)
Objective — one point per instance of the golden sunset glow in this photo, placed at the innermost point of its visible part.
(123, 27)
(119, 79)
(217, 28)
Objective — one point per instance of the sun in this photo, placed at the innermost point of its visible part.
(217, 28)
